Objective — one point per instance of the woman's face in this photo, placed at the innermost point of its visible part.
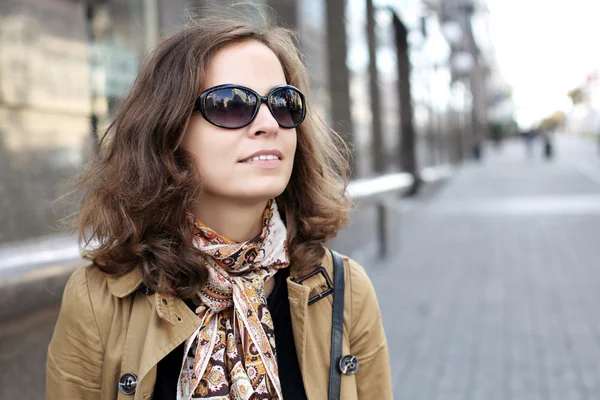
(222, 154)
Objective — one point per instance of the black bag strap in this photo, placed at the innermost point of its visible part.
(337, 327)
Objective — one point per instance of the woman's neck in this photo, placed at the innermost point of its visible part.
(237, 221)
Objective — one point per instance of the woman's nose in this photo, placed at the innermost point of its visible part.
(264, 122)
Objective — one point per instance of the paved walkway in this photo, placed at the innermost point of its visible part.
(495, 292)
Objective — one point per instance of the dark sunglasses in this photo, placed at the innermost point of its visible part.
(235, 106)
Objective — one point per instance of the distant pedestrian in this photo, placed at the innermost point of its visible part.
(528, 138)
(209, 206)
(548, 145)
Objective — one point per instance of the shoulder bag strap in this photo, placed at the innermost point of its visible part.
(337, 327)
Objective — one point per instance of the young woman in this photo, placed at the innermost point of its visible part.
(209, 202)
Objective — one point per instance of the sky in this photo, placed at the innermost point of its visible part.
(544, 48)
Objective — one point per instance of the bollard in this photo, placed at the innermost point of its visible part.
(382, 230)
(387, 229)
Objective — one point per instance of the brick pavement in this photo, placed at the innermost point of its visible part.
(495, 291)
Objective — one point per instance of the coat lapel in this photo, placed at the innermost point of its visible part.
(159, 324)
(298, 296)
(168, 327)
(311, 324)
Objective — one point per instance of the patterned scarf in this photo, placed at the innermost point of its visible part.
(232, 354)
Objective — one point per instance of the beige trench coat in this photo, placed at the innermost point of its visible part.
(108, 328)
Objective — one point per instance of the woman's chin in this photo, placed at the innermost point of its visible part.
(263, 188)
(258, 195)
(246, 191)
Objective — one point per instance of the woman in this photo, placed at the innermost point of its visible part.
(209, 203)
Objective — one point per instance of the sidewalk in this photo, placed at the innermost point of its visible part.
(494, 293)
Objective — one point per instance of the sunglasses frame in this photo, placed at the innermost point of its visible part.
(199, 104)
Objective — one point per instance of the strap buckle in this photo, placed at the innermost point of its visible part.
(322, 294)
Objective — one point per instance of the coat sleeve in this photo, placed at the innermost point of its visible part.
(75, 354)
(367, 338)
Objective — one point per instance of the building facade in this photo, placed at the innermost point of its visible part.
(65, 66)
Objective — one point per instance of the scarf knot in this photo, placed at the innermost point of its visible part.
(217, 294)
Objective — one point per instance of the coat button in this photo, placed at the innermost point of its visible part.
(128, 383)
(348, 365)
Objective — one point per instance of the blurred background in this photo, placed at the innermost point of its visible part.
(476, 131)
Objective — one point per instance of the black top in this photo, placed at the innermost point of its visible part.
(290, 376)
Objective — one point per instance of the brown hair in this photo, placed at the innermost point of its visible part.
(139, 185)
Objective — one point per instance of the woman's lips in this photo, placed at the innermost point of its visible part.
(263, 163)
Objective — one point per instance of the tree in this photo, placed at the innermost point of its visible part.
(577, 95)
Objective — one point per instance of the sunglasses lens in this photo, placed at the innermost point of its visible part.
(229, 107)
(287, 106)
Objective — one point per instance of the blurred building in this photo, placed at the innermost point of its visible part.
(65, 65)
(465, 25)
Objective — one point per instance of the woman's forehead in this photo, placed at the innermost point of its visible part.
(249, 63)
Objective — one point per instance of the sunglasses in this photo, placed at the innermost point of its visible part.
(235, 106)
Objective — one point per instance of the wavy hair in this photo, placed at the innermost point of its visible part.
(139, 185)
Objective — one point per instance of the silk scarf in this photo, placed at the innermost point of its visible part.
(232, 354)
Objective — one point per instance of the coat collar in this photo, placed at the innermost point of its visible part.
(123, 285)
